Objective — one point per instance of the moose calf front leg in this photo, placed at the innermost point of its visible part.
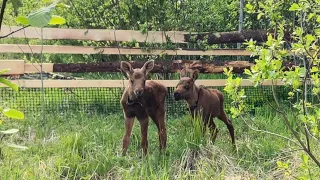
(144, 123)
(126, 138)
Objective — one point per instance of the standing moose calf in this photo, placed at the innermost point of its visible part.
(210, 101)
(142, 99)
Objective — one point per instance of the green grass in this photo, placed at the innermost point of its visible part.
(88, 146)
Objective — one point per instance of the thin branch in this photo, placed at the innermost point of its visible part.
(14, 32)
(42, 88)
(274, 94)
(305, 100)
(268, 132)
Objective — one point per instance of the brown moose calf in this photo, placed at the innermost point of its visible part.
(143, 99)
(209, 101)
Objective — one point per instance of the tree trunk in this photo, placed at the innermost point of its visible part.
(3, 8)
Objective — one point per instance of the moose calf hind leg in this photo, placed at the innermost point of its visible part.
(228, 122)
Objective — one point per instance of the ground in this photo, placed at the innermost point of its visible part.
(82, 146)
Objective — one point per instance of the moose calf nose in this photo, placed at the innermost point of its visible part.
(139, 93)
(176, 95)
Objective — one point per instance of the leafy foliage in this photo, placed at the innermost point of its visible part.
(304, 47)
(10, 113)
(42, 17)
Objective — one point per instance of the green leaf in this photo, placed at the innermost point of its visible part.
(249, 6)
(12, 113)
(17, 146)
(305, 159)
(4, 71)
(298, 31)
(259, 16)
(248, 72)
(279, 164)
(22, 20)
(57, 20)
(317, 31)
(62, 5)
(269, 41)
(314, 69)
(310, 16)
(41, 17)
(318, 19)
(310, 37)
(278, 64)
(294, 7)
(9, 83)
(9, 131)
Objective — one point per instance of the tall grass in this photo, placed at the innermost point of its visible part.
(82, 146)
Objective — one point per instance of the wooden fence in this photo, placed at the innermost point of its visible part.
(19, 67)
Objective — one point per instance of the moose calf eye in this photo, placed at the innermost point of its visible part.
(186, 87)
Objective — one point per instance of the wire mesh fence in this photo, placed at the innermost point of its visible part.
(107, 100)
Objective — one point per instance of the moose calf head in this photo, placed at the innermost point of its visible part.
(137, 77)
(186, 85)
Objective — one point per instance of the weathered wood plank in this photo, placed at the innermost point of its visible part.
(15, 66)
(52, 49)
(35, 67)
(130, 35)
(94, 34)
(160, 66)
(231, 37)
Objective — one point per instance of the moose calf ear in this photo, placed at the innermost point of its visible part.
(126, 67)
(183, 73)
(195, 75)
(148, 66)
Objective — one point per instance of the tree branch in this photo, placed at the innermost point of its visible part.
(14, 32)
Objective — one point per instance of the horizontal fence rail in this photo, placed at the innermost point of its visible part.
(21, 67)
(55, 49)
(123, 83)
(95, 34)
(137, 36)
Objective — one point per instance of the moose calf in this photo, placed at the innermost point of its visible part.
(210, 101)
(143, 99)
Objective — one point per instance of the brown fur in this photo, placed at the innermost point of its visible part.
(210, 101)
(143, 99)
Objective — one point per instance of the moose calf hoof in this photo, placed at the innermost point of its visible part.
(124, 152)
(235, 149)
